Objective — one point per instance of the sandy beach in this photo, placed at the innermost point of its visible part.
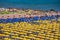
(17, 13)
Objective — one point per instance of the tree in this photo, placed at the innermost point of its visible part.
(52, 10)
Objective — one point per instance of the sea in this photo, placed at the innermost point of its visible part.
(31, 4)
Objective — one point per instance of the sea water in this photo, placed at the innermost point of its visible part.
(31, 4)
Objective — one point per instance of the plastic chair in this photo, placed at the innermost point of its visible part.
(2, 20)
(8, 20)
(57, 16)
(27, 20)
(42, 18)
(22, 19)
(51, 17)
(15, 20)
(47, 17)
(7, 39)
(35, 18)
(31, 19)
